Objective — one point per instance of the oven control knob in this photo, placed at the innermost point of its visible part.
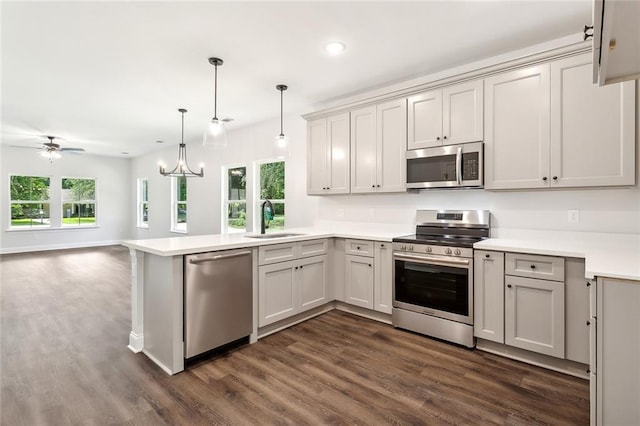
(448, 251)
(403, 247)
(457, 252)
(411, 248)
(429, 249)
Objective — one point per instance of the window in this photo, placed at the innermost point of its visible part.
(179, 204)
(30, 203)
(235, 202)
(78, 202)
(143, 203)
(271, 178)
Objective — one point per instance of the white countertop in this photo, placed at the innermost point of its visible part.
(176, 246)
(606, 255)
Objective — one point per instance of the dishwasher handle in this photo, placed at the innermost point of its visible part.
(219, 257)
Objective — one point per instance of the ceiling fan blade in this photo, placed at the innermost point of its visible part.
(28, 147)
(71, 149)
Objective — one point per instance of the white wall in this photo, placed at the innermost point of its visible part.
(112, 189)
(245, 146)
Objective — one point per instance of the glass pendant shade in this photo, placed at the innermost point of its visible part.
(215, 134)
(51, 155)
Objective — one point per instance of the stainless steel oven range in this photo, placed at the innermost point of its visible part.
(433, 274)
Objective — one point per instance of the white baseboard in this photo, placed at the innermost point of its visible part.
(136, 342)
(159, 364)
(27, 249)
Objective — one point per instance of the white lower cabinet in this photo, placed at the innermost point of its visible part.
(489, 295)
(359, 281)
(617, 374)
(383, 277)
(312, 282)
(534, 315)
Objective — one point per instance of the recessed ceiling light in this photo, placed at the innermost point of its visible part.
(335, 47)
(159, 141)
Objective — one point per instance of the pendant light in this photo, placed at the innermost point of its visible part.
(182, 169)
(281, 141)
(215, 134)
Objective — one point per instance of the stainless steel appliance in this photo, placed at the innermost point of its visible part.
(218, 299)
(433, 274)
(452, 166)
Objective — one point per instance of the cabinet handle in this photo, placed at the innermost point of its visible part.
(437, 138)
(544, 178)
(301, 267)
(588, 371)
(378, 186)
(369, 265)
(533, 266)
(445, 137)
(588, 322)
(508, 285)
(381, 245)
(487, 256)
(586, 32)
(555, 178)
(373, 186)
(358, 248)
(588, 284)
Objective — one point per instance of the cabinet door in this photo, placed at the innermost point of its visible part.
(534, 315)
(312, 282)
(577, 312)
(517, 129)
(383, 278)
(391, 146)
(338, 141)
(488, 294)
(359, 281)
(618, 352)
(424, 120)
(462, 117)
(592, 127)
(317, 156)
(276, 292)
(363, 150)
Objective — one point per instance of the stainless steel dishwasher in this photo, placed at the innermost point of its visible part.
(218, 299)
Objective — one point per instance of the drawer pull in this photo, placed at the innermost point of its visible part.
(588, 284)
(508, 285)
(588, 371)
(358, 248)
(588, 322)
(487, 256)
(533, 266)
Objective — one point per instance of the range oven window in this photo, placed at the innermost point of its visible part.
(441, 288)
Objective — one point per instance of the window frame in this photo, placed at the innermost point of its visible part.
(93, 202)
(179, 227)
(46, 201)
(142, 201)
(224, 219)
(258, 200)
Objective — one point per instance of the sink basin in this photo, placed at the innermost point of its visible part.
(282, 235)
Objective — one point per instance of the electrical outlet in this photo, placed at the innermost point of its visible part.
(573, 216)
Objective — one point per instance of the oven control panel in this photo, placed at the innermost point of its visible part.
(433, 249)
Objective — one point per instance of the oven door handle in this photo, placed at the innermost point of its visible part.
(459, 166)
(432, 260)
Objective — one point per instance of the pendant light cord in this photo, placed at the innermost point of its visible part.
(215, 92)
(281, 93)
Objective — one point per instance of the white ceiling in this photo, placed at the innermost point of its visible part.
(110, 76)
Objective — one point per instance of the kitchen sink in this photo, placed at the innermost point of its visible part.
(282, 235)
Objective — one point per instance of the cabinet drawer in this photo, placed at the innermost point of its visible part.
(276, 253)
(532, 266)
(312, 247)
(360, 247)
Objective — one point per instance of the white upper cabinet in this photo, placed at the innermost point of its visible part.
(328, 155)
(592, 127)
(446, 116)
(517, 129)
(378, 138)
(548, 126)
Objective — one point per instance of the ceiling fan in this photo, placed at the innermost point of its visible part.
(52, 150)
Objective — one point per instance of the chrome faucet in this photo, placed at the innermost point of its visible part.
(266, 207)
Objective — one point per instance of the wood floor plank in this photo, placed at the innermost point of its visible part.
(65, 320)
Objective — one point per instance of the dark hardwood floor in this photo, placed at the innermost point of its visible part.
(65, 321)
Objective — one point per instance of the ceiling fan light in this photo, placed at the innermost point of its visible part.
(215, 134)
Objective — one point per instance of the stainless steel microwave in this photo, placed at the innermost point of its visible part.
(451, 166)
